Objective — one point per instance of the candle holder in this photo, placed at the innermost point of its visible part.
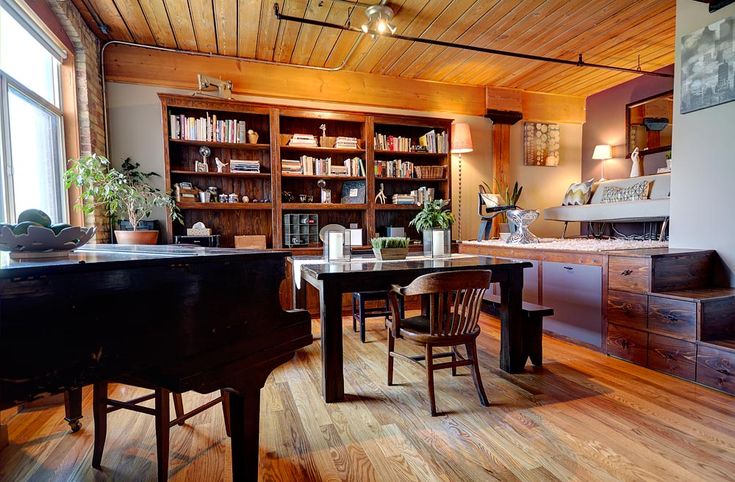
(441, 243)
(337, 244)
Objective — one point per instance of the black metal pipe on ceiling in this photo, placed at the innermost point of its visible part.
(574, 63)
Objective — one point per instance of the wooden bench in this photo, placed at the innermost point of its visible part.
(533, 316)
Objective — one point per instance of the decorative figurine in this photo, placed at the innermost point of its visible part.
(326, 194)
(246, 199)
(323, 128)
(381, 198)
(220, 165)
(203, 166)
(252, 136)
(637, 168)
(233, 198)
(223, 198)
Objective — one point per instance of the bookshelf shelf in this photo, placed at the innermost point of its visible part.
(226, 206)
(326, 178)
(325, 150)
(226, 145)
(324, 207)
(257, 175)
(276, 124)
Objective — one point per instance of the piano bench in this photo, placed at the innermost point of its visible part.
(102, 405)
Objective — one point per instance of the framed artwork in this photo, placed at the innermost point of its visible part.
(540, 144)
(353, 192)
(708, 66)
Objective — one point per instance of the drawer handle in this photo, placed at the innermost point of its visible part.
(671, 317)
(624, 343)
(568, 268)
(627, 272)
(724, 371)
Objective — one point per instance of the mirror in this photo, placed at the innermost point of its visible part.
(649, 123)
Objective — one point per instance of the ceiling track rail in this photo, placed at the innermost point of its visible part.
(539, 58)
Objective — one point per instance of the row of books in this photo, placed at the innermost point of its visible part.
(311, 166)
(346, 143)
(403, 199)
(237, 165)
(306, 140)
(435, 141)
(432, 141)
(209, 129)
(394, 168)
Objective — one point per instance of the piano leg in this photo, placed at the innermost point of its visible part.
(73, 408)
(244, 426)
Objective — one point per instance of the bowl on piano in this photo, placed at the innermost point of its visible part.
(32, 241)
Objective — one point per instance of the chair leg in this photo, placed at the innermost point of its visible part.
(430, 378)
(354, 314)
(454, 360)
(391, 347)
(99, 408)
(178, 406)
(226, 410)
(162, 432)
(472, 353)
(362, 319)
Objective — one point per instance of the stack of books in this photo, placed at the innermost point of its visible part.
(207, 129)
(346, 143)
(435, 142)
(237, 165)
(392, 143)
(404, 199)
(303, 140)
(290, 166)
(394, 168)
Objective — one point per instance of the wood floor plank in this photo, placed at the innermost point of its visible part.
(583, 416)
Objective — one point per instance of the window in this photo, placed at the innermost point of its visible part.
(31, 127)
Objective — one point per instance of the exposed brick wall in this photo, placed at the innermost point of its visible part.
(90, 107)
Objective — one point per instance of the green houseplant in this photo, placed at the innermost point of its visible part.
(509, 198)
(390, 248)
(124, 194)
(435, 222)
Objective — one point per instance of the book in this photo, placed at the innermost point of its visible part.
(207, 128)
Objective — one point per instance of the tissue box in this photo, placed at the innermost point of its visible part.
(355, 237)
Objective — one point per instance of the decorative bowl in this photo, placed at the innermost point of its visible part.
(42, 242)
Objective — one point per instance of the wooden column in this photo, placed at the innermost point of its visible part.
(502, 120)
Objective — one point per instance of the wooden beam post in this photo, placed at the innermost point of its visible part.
(501, 162)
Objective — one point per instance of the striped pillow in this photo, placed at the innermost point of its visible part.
(578, 194)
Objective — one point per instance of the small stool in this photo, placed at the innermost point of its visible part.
(360, 312)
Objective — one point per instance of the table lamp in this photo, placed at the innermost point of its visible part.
(602, 152)
(461, 144)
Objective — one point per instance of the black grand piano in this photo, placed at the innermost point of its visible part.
(177, 317)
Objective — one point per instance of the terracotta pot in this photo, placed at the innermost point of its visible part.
(141, 236)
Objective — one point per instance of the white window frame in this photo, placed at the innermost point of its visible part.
(7, 82)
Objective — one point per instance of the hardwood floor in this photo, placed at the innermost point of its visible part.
(584, 416)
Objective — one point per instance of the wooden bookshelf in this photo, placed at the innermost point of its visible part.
(274, 123)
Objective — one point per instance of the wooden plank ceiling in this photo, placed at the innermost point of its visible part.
(615, 32)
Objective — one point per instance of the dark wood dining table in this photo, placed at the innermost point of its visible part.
(369, 274)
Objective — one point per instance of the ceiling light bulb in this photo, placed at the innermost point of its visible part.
(381, 26)
(364, 27)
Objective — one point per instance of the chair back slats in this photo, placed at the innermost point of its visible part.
(454, 300)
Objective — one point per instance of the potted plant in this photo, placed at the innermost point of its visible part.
(434, 221)
(509, 198)
(390, 248)
(124, 194)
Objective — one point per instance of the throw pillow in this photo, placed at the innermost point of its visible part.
(634, 192)
(578, 193)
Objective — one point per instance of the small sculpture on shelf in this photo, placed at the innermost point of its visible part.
(246, 199)
(252, 136)
(636, 169)
(220, 165)
(203, 166)
(380, 197)
(326, 194)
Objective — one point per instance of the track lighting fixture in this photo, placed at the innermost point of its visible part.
(379, 20)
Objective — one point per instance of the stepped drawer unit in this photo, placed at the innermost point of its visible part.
(666, 311)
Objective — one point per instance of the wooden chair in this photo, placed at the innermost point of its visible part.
(360, 312)
(450, 319)
(102, 405)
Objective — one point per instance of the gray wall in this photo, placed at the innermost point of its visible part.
(605, 124)
(703, 168)
(134, 113)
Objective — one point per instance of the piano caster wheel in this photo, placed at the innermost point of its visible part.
(75, 425)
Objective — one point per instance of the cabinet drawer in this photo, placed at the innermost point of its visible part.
(675, 317)
(627, 343)
(629, 309)
(716, 368)
(628, 274)
(672, 356)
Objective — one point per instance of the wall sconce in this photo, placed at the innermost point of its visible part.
(602, 152)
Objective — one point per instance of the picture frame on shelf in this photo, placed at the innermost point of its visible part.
(353, 192)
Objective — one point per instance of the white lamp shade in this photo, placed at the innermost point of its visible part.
(461, 138)
(602, 151)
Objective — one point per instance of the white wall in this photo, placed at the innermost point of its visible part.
(703, 152)
(134, 117)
